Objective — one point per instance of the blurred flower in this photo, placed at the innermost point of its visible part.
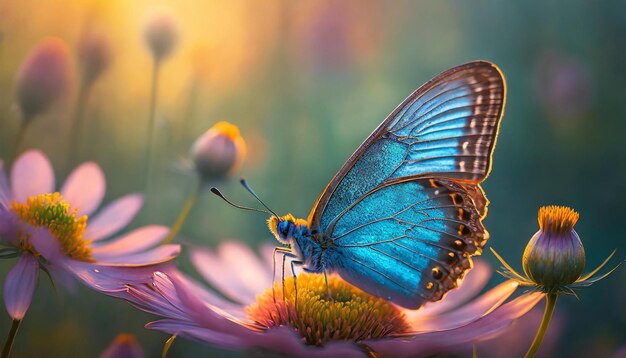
(554, 262)
(215, 154)
(563, 84)
(94, 55)
(125, 345)
(218, 151)
(51, 231)
(43, 77)
(161, 34)
(349, 325)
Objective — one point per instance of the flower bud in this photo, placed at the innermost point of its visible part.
(124, 346)
(94, 54)
(218, 151)
(161, 34)
(555, 256)
(43, 77)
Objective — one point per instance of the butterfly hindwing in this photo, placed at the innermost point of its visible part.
(414, 249)
(435, 147)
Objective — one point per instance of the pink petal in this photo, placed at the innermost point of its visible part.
(473, 283)
(31, 175)
(228, 279)
(154, 256)
(137, 240)
(20, 284)
(114, 217)
(450, 340)
(45, 244)
(5, 191)
(84, 188)
(467, 313)
(110, 279)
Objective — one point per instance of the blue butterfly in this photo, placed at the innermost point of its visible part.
(403, 216)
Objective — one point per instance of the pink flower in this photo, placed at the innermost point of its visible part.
(314, 326)
(43, 77)
(51, 230)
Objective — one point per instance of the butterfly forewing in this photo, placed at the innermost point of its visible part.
(403, 213)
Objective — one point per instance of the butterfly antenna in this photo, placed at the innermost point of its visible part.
(249, 189)
(219, 193)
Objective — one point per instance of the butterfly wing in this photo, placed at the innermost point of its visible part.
(429, 154)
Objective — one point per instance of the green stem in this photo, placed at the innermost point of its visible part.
(21, 133)
(79, 111)
(551, 299)
(184, 213)
(6, 351)
(151, 119)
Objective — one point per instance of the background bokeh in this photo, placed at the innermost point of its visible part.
(306, 82)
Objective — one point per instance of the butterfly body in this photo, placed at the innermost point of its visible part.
(402, 217)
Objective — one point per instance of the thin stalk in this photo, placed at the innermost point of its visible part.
(167, 346)
(8, 345)
(551, 299)
(151, 119)
(77, 122)
(19, 137)
(184, 213)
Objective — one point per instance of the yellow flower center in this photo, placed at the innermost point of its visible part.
(557, 219)
(51, 211)
(349, 314)
(229, 130)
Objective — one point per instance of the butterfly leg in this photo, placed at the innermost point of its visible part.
(327, 288)
(295, 285)
(284, 252)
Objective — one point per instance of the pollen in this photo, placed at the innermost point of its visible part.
(348, 315)
(51, 211)
(227, 129)
(557, 219)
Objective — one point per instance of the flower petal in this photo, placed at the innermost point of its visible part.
(20, 284)
(84, 188)
(154, 256)
(236, 272)
(450, 340)
(114, 217)
(45, 244)
(32, 174)
(111, 279)
(473, 283)
(467, 313)
(137, 240)
(5, 191)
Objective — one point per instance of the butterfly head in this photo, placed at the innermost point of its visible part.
(284, 227)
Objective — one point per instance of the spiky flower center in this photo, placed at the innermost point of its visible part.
(349, 313)
(557, 219)
(52, 212)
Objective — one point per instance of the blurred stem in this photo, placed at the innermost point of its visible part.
(184, 213)
(79, 111)
(151, 119)
(551, 299)
(21, 133)
(8, 345)
(167, 346)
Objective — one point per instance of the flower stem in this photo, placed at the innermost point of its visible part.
(19, 138)
(151, 120)
(184, 213)
(167, 346)
(8, 345)
(77, 124)
(551, 299)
